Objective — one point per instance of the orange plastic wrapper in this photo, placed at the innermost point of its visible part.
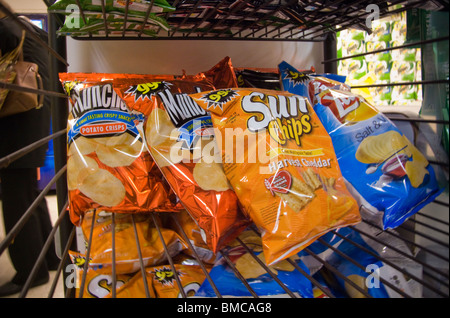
(126, 248)
(194, 235)
(222, 74)
(165, 285)
(180, 138)
(97, 284)
(108, 166)
(281, 163)
(161, 282)
(136, 287)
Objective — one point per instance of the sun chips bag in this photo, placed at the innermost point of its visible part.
(108, 166)
(180, 138)
(282, 166)
(389, 176)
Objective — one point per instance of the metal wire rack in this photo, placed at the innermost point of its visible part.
(245, 20)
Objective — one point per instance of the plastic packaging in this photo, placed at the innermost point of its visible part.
(179, 136)
(259, 280)
(388, 175)
(108, 166)
(281, 164)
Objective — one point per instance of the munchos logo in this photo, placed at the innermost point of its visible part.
(180, 107)
(96, 97)
(285, 117)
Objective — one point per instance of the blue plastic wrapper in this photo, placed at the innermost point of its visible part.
(368, 264)
(387, 175)
(370, 284)
(308, 84)
(229, 285)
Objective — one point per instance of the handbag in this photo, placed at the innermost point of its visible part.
(13, 69)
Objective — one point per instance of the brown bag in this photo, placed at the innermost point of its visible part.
(26, 76)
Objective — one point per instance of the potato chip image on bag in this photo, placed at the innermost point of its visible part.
(108, 165)
(281, 163)
(389, 175)
(180, 138)
(384, 171)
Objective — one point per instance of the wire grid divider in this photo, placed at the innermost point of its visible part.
(249, 20)
(63, 214)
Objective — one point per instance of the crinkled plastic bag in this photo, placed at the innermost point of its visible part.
(281, 163)
(180, 138)
(260, 281)
(126, 249)
(108, 166)
(376, 265)
(388, 175)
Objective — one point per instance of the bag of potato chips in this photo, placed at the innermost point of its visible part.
(281, 163)
(135, 287)
(388, 175)
(309, 84)
(126, 248)
(377, 269)
(222, 74)
(383, 166)
(108, 166)
(180, 138)
(257, 277)
(194, 235)
(97, 283)
(164, 282)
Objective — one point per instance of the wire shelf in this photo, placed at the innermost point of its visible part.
(249, 20)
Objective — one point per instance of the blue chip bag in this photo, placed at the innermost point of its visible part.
(307, 84)
(368, 270)
(261, 282)
(386, 173)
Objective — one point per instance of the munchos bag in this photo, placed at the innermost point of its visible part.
(180, 138)
(108, 166)
(280, 162)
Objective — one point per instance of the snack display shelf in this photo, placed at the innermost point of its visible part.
(425, 234)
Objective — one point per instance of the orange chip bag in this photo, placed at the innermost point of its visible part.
(180, 138)
(161, 282)
(281, 163)
(135, 287)
(222, 74)
(108, 166)
(126, 248)
(194, 234)
(165, 285)
(97, 283)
